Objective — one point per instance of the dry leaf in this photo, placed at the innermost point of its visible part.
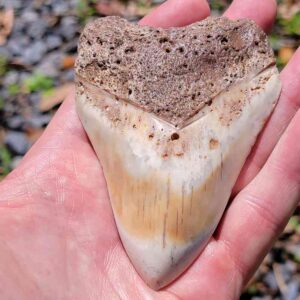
(285, 54)
(6, 24)
(118, 8)
(68, 62)
(33, 134)
(109, 8)
(56, 97)
(288, 9)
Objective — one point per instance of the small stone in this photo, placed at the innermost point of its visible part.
(34, 101)
(51, 64)
(61, 8)
(68, 75)
(16, 161)
(11, 77)
(16, 4)
(17, 142)
(71, 47)
(285, 272)
(19, 27)
(37, 29)
(15, 47)
(4, 52)
(38, 121)
(53, 42)
(34, 54)
(270, 280)
(15, 122)
(29, 16)
(293, 290)
(69, 27)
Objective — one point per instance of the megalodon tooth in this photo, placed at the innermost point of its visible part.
(172, 115)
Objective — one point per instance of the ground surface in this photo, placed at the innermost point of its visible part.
(38, 40)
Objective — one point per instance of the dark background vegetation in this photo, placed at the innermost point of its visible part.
(38, 40)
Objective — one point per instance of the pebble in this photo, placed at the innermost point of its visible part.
(68, 75)
(53, 42)
(15, 122)
(16, 161)
(35, 53)
(37, 29)
(270, 280)
(60, 8)
(17, 142)
(18, 28)
(71, 47)
(69, 27)
(34, 101)
(285, 272)
(293, 290)
(29, 16)
(15, 47)
(51, 64)
(4, 52)
(39, 120)
(14, 3)
(10, 78)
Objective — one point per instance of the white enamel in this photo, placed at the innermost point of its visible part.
(207, 158)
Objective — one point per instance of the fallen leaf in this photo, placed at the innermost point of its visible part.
(55, 97)
(33, 134)
(285, 54)
(6, 24)
(68, 62)
(288, 9)
(111, 8)
(127, 9)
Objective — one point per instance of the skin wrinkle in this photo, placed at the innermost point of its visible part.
(20, 270)
(264, 211)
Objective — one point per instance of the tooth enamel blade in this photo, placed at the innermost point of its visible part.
(170, 176)
(168, 188)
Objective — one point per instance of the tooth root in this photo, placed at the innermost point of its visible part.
(168, 192)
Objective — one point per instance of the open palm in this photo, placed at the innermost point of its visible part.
(58, 239)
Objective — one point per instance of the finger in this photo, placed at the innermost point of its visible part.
(262, 12)
(177, 13)
(285, 110)
(259, 213)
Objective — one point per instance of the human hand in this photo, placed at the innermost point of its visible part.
(58, 239)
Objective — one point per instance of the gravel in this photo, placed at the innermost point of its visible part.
(39, 120)
(53, 41)
(69, 27)
(34, 53)
(15, 122)
(17, 142)
(12, 77)
(37, 29)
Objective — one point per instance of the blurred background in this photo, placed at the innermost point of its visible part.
(38, 43)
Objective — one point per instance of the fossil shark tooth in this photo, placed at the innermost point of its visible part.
(172, 115)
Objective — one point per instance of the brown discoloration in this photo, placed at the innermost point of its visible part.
(174, 215)
(213, 144)
(169, 72)
(168, 144)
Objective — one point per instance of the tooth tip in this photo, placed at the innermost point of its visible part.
(160, 265)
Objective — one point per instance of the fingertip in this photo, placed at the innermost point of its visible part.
(262, 12)
(177, 13)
